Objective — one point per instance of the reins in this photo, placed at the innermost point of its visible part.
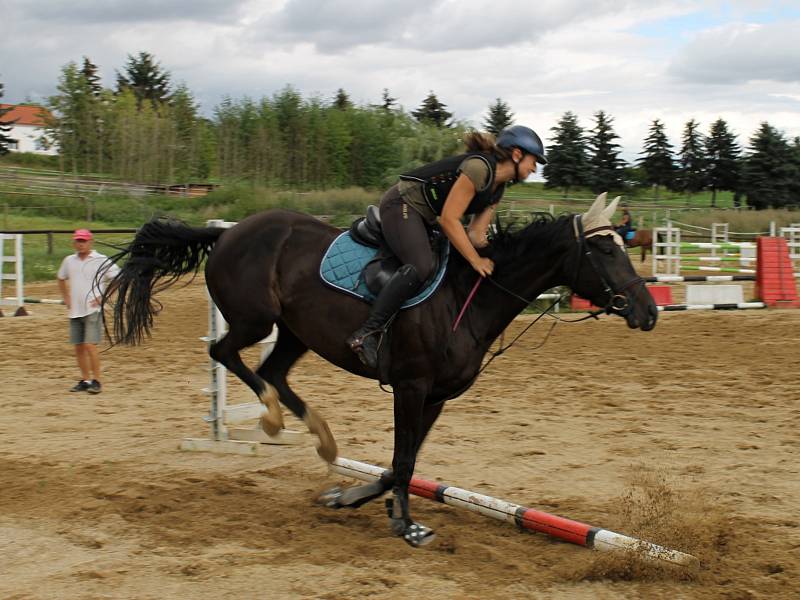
(618, 301)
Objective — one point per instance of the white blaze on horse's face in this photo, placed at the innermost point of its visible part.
(599, 215)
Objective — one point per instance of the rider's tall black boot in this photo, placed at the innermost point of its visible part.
(365, 341)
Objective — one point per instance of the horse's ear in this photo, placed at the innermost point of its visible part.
(611, 208)
(597, 207)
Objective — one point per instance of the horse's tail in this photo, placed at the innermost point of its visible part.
(162, 251)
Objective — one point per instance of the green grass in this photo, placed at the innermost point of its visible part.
(234, 202)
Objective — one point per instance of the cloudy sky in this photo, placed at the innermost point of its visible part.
(638, 60)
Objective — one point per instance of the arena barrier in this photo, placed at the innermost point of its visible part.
(671, 255)
(564, 529)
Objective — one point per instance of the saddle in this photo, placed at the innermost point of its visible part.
(368, 232)
(359, 263)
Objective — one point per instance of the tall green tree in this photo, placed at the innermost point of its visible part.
(691, 177)
(146, 78)
(770, 171)
(5, 128)
(78, 128)
(656, 158)
(89, 72)
(499, 117)
(432, 111)
(387, 102)
(567, 163)
(606, 168)
(190, 158)
(342, 100)
(722, 159)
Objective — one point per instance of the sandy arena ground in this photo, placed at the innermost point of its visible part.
(688, 435)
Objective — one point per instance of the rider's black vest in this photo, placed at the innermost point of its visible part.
(438, 179)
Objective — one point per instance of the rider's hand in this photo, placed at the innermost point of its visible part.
(484, 266)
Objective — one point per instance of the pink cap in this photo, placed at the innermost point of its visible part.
(82, 234)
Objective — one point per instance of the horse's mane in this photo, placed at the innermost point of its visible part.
(509, 242)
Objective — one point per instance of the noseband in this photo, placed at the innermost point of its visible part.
(618, 297)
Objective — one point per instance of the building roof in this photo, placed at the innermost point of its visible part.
(25, 114)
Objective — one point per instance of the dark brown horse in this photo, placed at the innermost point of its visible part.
(265, 272)
(643, 238)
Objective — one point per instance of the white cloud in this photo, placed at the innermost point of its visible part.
(542, 58)
(738, 53)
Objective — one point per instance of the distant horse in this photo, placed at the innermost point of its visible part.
(643, 238)
(265, 272)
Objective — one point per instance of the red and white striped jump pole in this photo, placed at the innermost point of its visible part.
(525, 518)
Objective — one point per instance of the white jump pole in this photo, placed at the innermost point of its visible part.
(525, 518)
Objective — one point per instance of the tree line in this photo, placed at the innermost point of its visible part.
(149, 129)
(766, 175)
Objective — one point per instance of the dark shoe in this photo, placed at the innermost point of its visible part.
(366, 340)
(95, 387)
(81, 386)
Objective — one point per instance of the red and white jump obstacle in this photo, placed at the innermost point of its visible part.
(564, 529)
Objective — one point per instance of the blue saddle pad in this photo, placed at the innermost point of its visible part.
(629, 235)
(345, 259)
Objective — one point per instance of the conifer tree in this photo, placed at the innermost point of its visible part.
(691, 176)
(5, 128)
(722, 159)
(770, 172)
(145, 77)
(433, 112)
(388, 102)
(89, 71)
(606, 168)
(499, 117)
(656, 158)
(567, 164)
(342, 100)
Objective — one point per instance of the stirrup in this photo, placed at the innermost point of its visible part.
(356, 342)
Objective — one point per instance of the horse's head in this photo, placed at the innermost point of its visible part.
(602, 271)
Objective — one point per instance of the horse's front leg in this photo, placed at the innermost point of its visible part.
(358, 495)
(409, 432)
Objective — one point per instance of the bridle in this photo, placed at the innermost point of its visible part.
(617, 302)
(618, 297)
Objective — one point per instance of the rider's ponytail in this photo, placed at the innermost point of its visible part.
(477, 141)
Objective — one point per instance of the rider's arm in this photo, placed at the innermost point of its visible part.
(63, 287)
(454, 208)
(479, 226)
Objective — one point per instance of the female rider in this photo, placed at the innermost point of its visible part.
(444, 191)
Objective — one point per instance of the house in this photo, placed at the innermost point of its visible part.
(27, 128)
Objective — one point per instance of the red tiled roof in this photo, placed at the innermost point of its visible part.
(25, 115)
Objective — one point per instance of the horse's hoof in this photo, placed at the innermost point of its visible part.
(327, 448)
(416, 535)
(270, 426)
(272, 420)
(331, 498)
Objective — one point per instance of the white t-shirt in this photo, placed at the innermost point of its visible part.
(84, 295)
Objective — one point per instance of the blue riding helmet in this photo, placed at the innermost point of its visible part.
(524, 138)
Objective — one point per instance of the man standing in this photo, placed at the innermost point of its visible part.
(81, 279)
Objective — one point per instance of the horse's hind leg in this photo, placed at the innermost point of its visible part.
(226, 351)
(274, 370)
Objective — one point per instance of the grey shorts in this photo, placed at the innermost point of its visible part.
(86, 330)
